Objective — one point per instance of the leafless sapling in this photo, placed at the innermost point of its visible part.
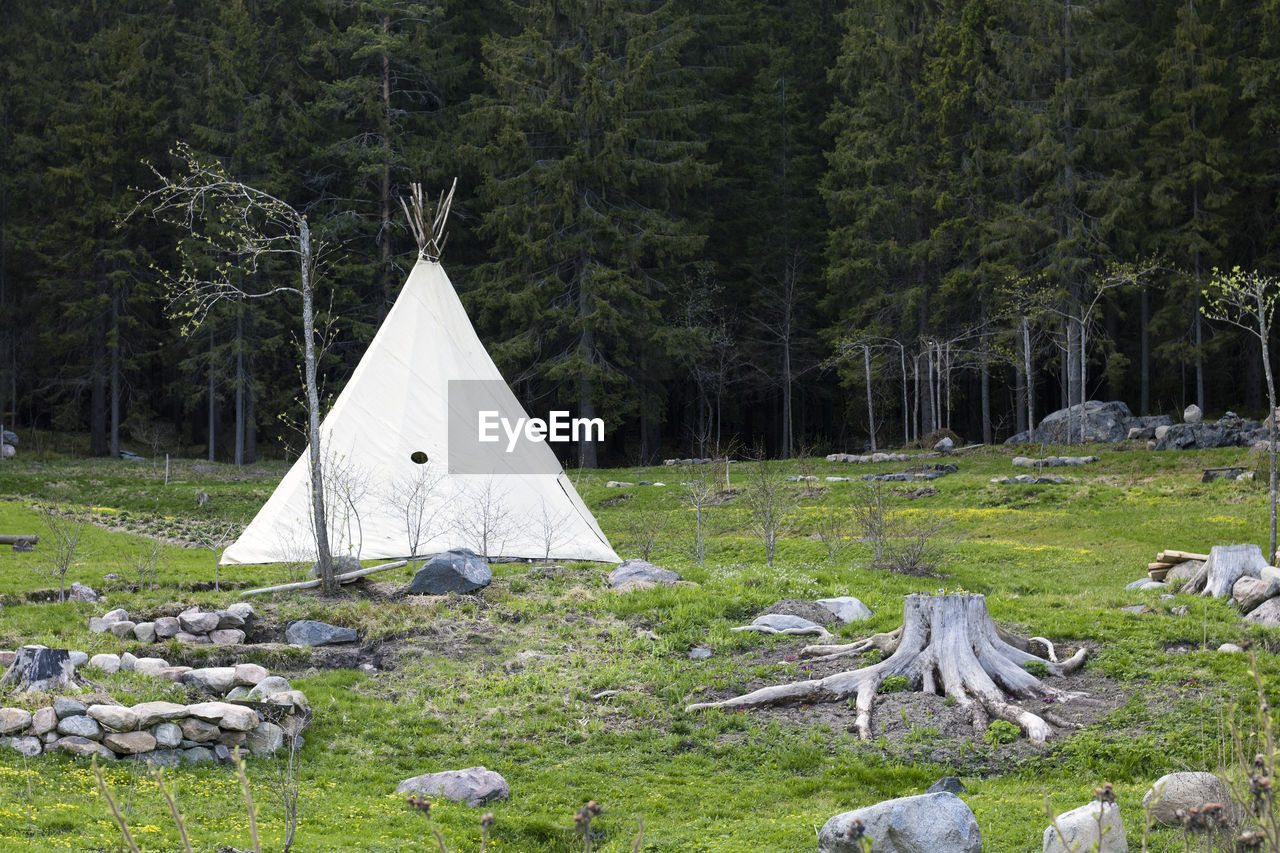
(63, 547)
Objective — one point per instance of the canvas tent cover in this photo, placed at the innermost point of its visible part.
(396, 405)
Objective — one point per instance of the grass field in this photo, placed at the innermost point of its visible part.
(505, 678)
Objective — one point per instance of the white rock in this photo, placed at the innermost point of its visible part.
(114, 718)
(127, 660)
(1183, 790)
(1192, 414)
(1229, 647)
(106, 662)
(151, 713)
(150, 666)
(1078, 830)
(928, 823)
(474, 786)
(847, 608)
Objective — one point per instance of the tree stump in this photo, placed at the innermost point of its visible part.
(43, 669)
(948, 645)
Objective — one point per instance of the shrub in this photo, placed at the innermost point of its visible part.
(1001, 731)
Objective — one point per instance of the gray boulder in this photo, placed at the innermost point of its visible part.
(80, 592)
(474, 786)
(269, 686)
(1200, 436)
(1192, 414)
(28, 746)
(196, 621)
(197, 755)
(68, 708)
(167, 735)
(1108, 422)
(14, 720)
(458, 570)
(1078, 830)
(1175, 791)
(928, 823)
(80, 726)
(145, 632)
(308, 632)
(83, 747)
(784, 622)
(641, 570)
(212, 679)
(847, 608)
(1266, 613)
(166, 627)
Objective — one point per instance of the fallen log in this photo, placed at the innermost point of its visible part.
(15, 538)
(343, 578)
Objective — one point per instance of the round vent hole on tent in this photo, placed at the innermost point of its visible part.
(418, 457)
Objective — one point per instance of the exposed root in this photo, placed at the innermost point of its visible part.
(948, 645)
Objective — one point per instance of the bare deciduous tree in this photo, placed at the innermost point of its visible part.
(150, 556)
(233, 228)
(62, 547)
(770, 502)
(486, 523)
(347, 486)
(646, 524)
(698, 489)
(413, 499)
(216, 537)
(871, 515)
(551, 525)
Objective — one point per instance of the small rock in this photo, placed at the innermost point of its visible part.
(83, 747)
(474, 786)
(945, 444)
(151, 667)
(458, 570)
(1184, 790)
(1180, 610)
(166, 627)
(250, 674)
(80, 592)
(927, 823)
(14, 720)
(642, 570)
(221, 754)
(117, 615)
(67, 708)
(238, 693)
(268, 686)
(212, 679)
(1229, 647)
(847, 608)
(80, 726)
(106, 662)
(1266, 613)
(197, 755)
(1137, 608)
(243, 609)
(127, 660)
(123, 628)
(226, 637)
(232, 738)
(193, 620)
(130, 743)
(227, 619)
(783, 622)
(7, 658)
(173, 673)
(699, 653)
(1192, 414)
(188, 637)
(78, 658)
(114, 718)
(308, 632)
(1078, 830)
(159, 757)
(167, 735)
(947, 785)
(634, 585)
(228, 716)
(28, 746)
(152, 713)
(199, 731)
(266, 738)
(145, 632)
(43, 721)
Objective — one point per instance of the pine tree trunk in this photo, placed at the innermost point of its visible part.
(212, 422)
(871, 412)
(1144, 356)
(1031, 383)
(239, 454)
(114, 449)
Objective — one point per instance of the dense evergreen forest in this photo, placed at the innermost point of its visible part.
(700, 219)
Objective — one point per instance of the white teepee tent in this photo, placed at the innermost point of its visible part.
(393, 411)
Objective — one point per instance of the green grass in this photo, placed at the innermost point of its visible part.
(506, 678)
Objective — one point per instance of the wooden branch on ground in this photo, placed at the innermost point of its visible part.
(15, 538)
(343, 578)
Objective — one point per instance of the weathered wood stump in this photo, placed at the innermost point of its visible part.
(40, 668)
(948, 645)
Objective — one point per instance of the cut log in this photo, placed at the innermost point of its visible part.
(1158, 574)
(1227, 564)
(15, 538)
(1161, 565)
(1180, 556)
(947, 645)
(40, 668)
(1250, 592)
(343, 578)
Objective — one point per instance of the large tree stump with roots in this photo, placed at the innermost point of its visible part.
(40, 668)
(948, 645)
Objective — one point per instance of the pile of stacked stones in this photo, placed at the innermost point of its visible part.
(162, 733)
(193, 625)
